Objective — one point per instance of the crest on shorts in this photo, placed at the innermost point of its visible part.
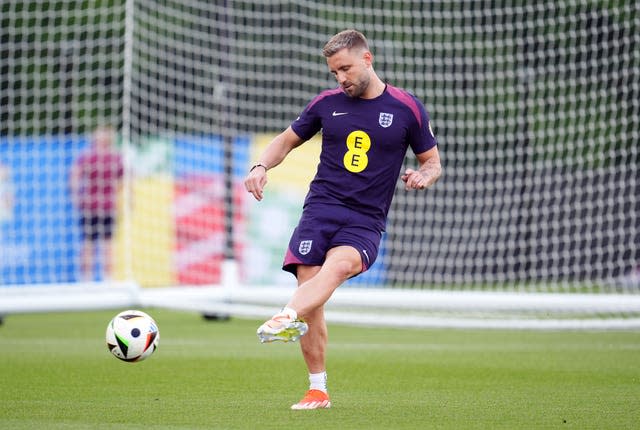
(385, 119)
(305, 247)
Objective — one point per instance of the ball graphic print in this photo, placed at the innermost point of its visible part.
(132, 336)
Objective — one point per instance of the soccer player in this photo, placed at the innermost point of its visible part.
(367, 127)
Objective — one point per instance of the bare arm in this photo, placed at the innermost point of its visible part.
(273, 155)
(427, 174)
(74, 183)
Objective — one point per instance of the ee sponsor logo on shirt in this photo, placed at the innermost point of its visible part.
(358, 144)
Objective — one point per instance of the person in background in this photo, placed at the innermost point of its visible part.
(95, 182)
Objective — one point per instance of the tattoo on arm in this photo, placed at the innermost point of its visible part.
(431, 170)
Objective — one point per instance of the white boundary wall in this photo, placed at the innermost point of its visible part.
(355, 306)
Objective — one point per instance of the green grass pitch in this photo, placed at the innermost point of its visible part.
(56, 373)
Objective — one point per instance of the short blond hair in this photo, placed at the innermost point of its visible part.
(348, 39)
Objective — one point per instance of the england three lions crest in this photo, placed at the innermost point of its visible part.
(305, 247)
(385, 119)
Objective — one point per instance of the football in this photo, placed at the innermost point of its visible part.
(132, 336)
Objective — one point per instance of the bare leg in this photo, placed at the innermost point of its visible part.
(341, 263)
(313, 344)
(107, 259)
(86, 260)
(316, 284)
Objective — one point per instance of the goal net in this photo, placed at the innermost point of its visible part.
(535, 106)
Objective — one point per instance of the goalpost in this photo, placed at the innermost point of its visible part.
(535, 223)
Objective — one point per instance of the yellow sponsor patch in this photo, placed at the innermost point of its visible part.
(358, 143)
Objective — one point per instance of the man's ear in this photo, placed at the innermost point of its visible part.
(368, 58)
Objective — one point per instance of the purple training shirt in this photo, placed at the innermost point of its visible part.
(364, 142)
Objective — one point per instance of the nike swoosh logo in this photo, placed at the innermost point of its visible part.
(338, 113)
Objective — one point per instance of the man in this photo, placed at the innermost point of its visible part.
(96, 180)
(367, 127)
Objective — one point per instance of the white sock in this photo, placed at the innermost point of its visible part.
(291, 313)
(318, 381)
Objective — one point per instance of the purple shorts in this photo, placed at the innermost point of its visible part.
(323, 227)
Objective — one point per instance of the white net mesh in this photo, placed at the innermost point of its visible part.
(535, 107)
(59, 78)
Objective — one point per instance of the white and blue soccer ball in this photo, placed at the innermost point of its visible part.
(132, 336)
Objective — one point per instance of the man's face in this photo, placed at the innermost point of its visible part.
(351, 70)
(102, 138)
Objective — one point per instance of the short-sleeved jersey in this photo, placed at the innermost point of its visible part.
(100, 173)
(364, 142)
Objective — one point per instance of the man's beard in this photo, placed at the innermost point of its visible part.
(356, 90)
